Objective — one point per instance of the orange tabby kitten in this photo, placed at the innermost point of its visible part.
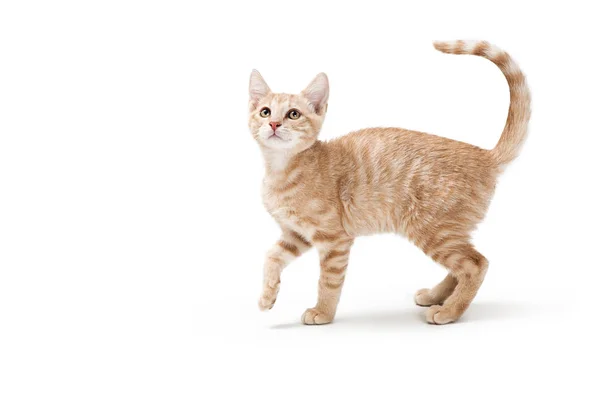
(428, 188)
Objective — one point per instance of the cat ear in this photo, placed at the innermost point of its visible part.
(317, 93)
(258, 88)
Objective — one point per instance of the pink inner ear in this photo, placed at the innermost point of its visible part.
(317, 92)
(258, 88)
(316, 100)
(256, 96)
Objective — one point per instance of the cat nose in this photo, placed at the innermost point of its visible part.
(275, 125)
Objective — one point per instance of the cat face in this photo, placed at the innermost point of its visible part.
(287, 122)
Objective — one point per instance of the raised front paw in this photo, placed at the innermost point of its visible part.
(314, 316)
(267, 299)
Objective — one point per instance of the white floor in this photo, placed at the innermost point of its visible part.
(181, 321)
(516, 341)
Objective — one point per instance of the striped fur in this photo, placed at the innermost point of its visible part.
(430, 189)
(519, 111)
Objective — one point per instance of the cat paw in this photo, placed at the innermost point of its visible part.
(313, 316)
(267, 300)
(438, 315)
(424, 298)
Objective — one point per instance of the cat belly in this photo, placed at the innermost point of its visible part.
(373, 217)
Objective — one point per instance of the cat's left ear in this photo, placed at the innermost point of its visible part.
(317, 93)
(258, 88)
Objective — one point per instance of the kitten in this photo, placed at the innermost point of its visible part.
(428, 188)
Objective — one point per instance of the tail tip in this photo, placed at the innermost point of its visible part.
(439, 45)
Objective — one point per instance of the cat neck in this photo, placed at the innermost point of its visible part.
(279, 162)
(276, 162)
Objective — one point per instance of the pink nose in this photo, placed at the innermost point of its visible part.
(275, 125)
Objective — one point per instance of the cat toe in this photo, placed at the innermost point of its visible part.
(266, 301)
(312, 316)
(423, 298)
(438, 315)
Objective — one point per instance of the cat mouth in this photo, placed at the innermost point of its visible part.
(275, 136)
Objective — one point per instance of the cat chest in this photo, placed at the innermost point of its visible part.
(288, 211)
(282, 208)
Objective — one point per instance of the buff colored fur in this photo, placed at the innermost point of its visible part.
(428, 188)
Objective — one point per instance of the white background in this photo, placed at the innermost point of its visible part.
(132, 232)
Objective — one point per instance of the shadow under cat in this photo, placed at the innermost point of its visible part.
(410, 316)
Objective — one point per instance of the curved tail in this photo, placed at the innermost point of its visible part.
(515, 130)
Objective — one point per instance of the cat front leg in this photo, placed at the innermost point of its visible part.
(290, 246)
(333, 254)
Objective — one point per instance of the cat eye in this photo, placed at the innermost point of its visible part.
(293, 114)
(265, 112)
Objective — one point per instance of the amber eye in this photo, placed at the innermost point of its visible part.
(293, 114)
(265, 112)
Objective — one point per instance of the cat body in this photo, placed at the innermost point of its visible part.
(430, 189)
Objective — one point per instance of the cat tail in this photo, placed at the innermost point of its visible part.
(519, 111)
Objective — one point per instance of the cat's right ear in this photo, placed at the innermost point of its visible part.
(258, 88)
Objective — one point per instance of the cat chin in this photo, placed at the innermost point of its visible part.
(278, 144)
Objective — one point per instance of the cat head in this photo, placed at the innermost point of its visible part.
(287, 122)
